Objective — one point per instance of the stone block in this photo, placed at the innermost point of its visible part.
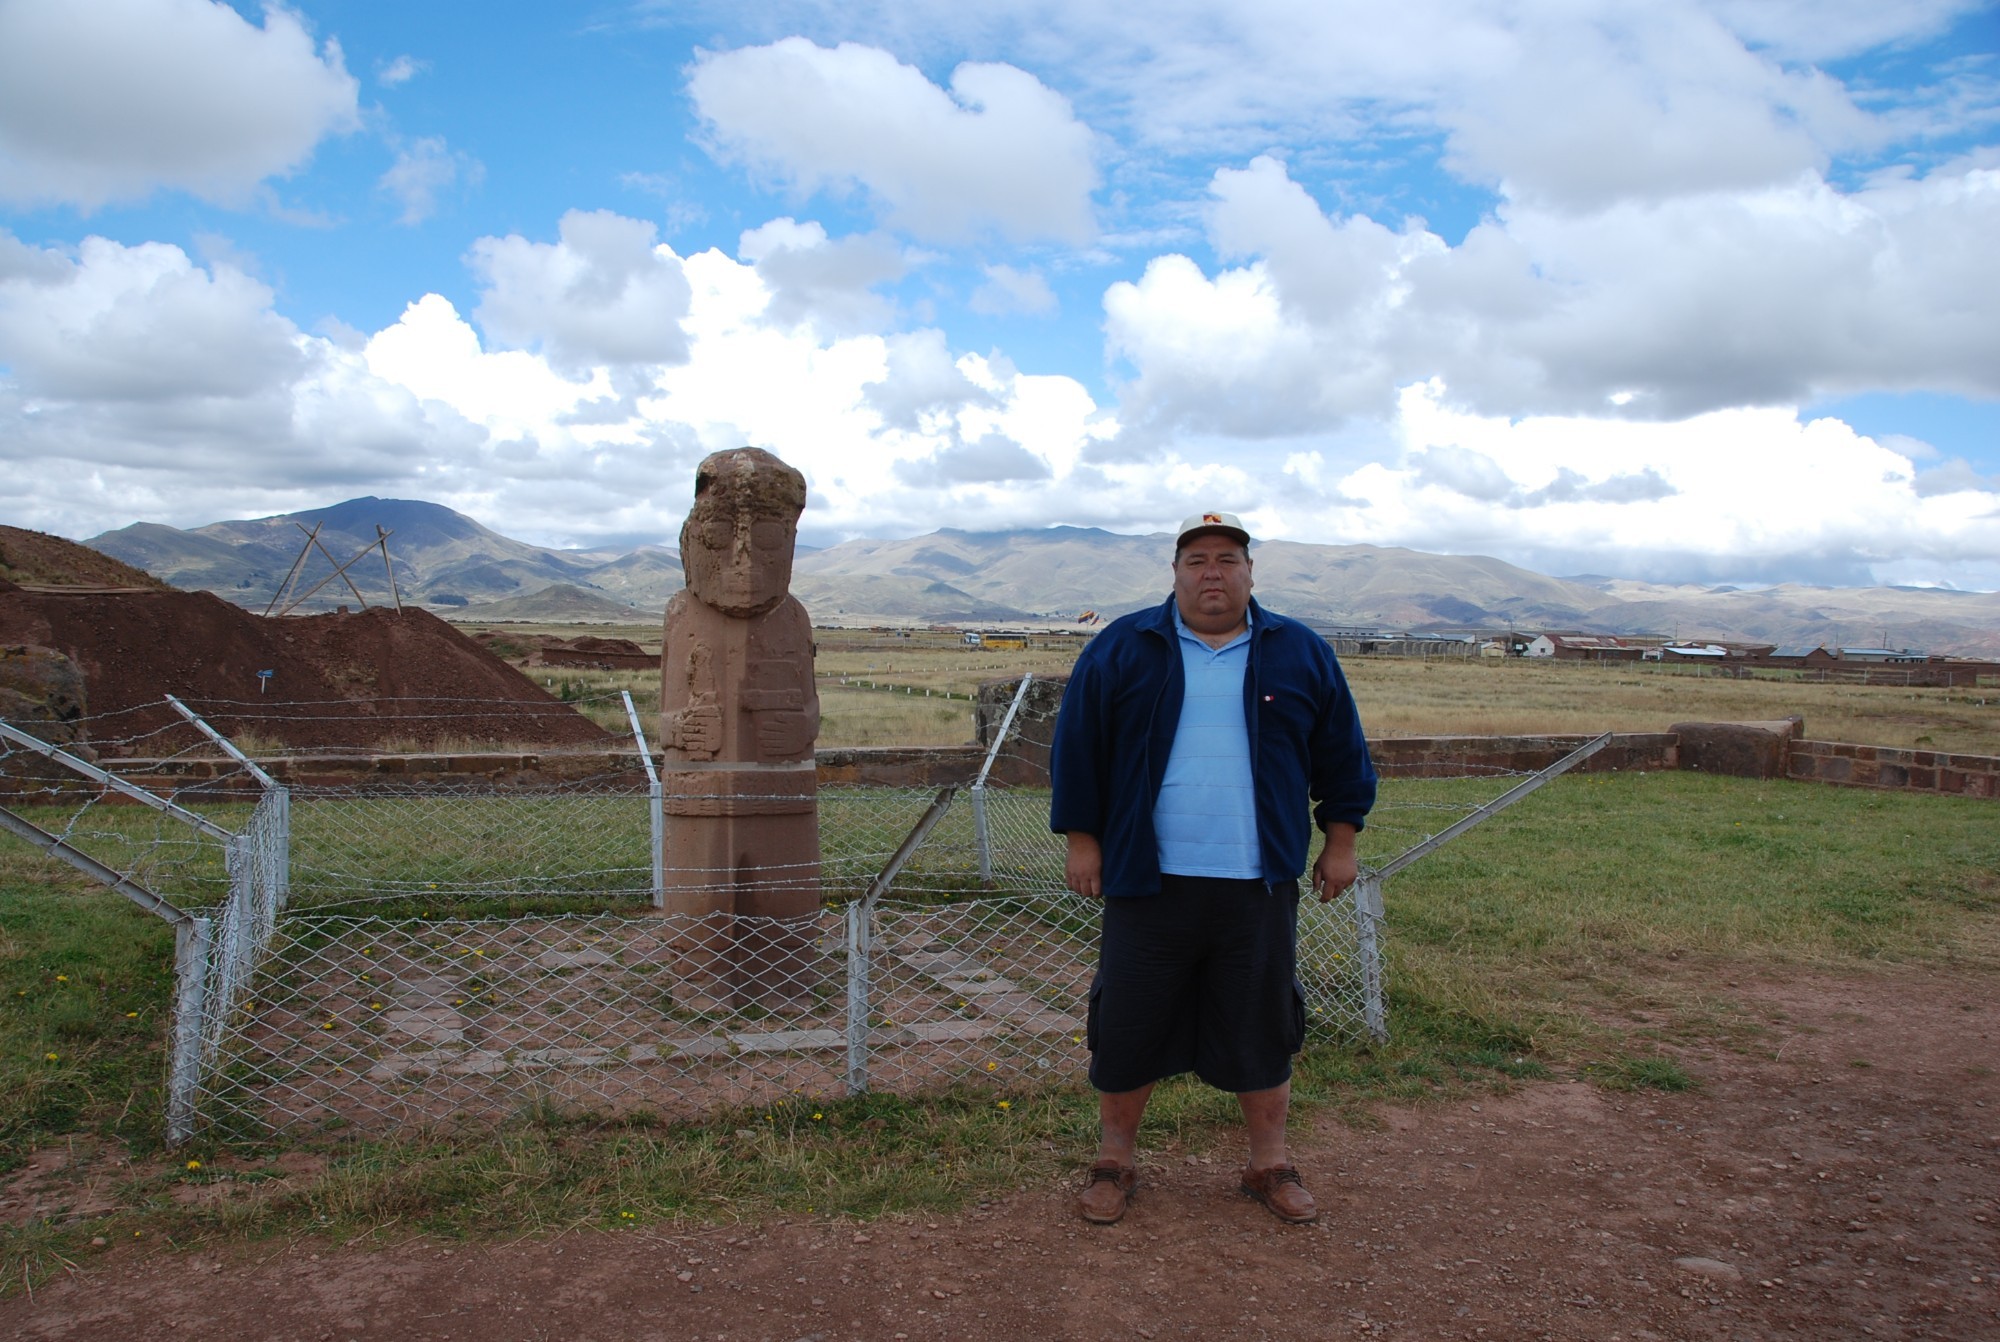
(1737, 749)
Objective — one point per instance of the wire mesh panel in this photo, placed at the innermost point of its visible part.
(76, 787)
(365, 1021)
(470, 839)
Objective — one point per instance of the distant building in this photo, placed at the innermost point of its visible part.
(1584, 648)
(1878, 656)
(1690, 652)
(1799, 656)
(1360, 643)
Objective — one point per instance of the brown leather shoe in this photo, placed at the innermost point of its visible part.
(1279, 1189)
(1109, 1193)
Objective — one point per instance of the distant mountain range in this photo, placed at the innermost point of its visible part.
(450, 563)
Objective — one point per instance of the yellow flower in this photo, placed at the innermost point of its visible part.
(194, 1164)
(817, 1117)
(991, 1066)
(327, 1026)
(48, 1057)
(62, 978)
(131, 1015)
(1004, 1104)
(374, 1006)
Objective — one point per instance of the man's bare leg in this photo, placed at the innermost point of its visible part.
(1113, 1175)
(1118, 1118)
(1264, 1114)
(1269, 1177)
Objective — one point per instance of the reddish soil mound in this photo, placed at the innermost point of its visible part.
(37, 559)
(356, 680)
(589, 651)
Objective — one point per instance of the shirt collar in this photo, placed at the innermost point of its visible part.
(1182, 631)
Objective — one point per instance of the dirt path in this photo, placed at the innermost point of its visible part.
(1842, 1180)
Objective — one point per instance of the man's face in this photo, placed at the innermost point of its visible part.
(738, 560)
(1212, 584)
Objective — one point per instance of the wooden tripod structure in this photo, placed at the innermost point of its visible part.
(312, 543)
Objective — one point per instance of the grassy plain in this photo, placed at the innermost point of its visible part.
(1398, 696)
(1569, 937)
(1513, 955)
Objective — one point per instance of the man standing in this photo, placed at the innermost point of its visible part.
(1191, 739)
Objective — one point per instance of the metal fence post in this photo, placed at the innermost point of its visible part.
(1367, 922)
(860, 932)
(982, 837)
(656, 805)
(192, 940)
(282, 821)
(861, 939)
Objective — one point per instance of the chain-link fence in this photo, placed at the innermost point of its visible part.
(459, 949)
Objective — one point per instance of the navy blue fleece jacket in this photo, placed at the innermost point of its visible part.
(1117, 727)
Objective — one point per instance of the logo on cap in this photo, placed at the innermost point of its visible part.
(1211, 517)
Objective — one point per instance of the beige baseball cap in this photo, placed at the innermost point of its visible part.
(1221, 524)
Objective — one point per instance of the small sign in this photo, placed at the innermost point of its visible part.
(263, 679)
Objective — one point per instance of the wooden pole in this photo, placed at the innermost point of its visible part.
(304, 550)
(382, 539)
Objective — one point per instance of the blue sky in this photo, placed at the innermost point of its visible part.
(1700, 290)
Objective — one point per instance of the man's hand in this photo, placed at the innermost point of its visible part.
(1337, 865)
(1083, 869)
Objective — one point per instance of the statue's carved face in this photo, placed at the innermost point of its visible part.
(737, 544)
(737, 561)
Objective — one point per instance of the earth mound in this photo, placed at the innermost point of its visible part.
(368, 680)
(586, 651)
(35, 559)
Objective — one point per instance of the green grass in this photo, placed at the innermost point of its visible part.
(86, 981)
(1649, 1073)
(1573, 936)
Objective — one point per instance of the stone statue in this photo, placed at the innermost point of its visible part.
(738, 716)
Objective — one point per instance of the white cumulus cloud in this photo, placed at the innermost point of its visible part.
(1010, 290)
(105, 100)
(424, 169)
(1643, 310)
(607, 292)
(999, 151)
(814, 278)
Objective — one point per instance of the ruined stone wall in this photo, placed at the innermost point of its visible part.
(1899, 770)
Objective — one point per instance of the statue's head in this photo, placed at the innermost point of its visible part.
(736, 544)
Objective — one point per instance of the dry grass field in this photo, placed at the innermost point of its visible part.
(1398, 696)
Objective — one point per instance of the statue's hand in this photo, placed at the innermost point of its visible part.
(780, 735)
(701, 730)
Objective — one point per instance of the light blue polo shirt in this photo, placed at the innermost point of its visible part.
(1206, 815)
